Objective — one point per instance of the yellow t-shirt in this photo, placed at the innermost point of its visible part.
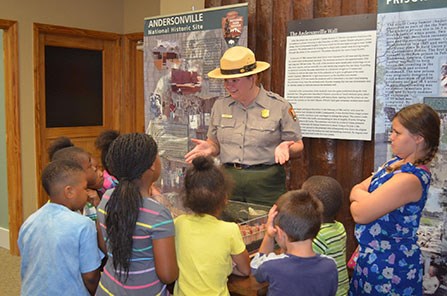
(204, 246)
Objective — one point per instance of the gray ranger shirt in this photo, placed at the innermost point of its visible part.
(250, 135)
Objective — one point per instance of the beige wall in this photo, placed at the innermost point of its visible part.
(136, 10)
(170, 6)
(117, 16)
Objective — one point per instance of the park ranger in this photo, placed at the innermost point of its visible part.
(254, 132)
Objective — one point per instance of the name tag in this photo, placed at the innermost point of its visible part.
(227, 116)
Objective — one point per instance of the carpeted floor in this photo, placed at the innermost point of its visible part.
(9, 273)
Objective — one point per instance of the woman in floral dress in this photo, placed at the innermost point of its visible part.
(387, 208)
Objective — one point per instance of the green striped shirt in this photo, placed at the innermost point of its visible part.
(331, 241)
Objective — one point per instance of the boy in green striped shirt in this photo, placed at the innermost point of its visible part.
(331, 239)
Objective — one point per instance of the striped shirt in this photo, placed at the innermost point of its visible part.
(331, 241)
(154, 222)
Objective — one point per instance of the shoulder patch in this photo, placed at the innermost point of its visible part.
(292, 112)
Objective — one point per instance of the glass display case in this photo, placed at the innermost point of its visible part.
(251, 219)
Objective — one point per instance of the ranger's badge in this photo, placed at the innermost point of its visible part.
(265, 113)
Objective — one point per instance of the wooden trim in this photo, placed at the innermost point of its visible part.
(39, 107)
(68, 31)
(13, 151)
(73, 42)
(133, 97)
(71, 132)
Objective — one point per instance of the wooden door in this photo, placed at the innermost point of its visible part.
(109, 46)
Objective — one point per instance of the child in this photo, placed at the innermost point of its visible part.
(94, 193)
(137, 231)
(387, 208)
(99, 178)
(63, 148)
(207, 246)
(102, 143)
(59, 250)
(293, 222)
(331, 239)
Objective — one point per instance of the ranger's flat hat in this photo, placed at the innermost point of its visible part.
(238, 61)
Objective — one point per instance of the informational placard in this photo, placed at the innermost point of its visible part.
(330, 66)
(179, 51)
(412, 68)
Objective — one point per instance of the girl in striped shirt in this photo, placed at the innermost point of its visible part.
(137, 232)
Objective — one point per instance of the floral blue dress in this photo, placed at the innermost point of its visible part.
(390, 261)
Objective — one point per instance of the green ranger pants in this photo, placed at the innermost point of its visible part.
(259, 184)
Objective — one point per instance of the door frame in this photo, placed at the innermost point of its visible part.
(12, 116)
(133, 80)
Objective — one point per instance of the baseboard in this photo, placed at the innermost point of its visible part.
(4, 238)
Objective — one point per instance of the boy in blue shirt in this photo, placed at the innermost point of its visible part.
(59, 250)
(293, 222)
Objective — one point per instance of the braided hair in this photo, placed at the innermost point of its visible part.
(103, 142)
(128, 157)
(421, 119)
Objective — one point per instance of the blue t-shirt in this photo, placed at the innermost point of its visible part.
(57, 245)
(291, 275)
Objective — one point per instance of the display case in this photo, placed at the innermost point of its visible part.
(251, 219)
